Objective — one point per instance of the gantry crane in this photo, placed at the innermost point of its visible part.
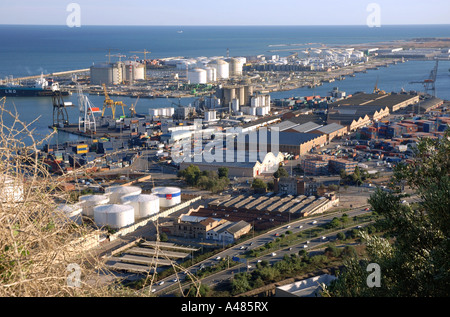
(109, 103)
(430, 82)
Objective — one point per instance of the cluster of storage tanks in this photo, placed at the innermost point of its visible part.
(217, 69)
(162, 112)
(121, 206)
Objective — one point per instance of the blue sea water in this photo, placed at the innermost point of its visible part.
(30, 50)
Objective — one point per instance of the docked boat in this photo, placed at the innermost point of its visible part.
(41, 88)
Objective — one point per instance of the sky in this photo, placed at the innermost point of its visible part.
(228, 12)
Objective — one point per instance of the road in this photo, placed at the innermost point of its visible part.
(295, 227)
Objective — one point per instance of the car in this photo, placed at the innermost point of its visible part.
(242, 248)
(324, 238)
(367, 209)
(276, 234)
(249, 266)
(218, 258)
(305, 246)
(259, 261)
(288, 227)
(161, 283)
(175, 280)
(300, 227)
(307, 242)
(274, 254)
(153, 290)
(290, 249)
(251, 243)
(314, 222)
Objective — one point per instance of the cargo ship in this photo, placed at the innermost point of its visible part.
(41, 88)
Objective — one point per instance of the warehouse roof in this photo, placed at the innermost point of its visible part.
(330, 128)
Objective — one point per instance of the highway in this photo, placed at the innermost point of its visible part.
(295, 227)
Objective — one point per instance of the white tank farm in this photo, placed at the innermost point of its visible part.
(91, 201)
(72, 212)
(168, 196)
(144, 205)
(114, 216)
(115, 193)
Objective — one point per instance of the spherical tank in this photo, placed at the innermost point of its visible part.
(88, 202)
(117, 192)
(144, 205)
(197, 76)
(168, 196)
(114, 216)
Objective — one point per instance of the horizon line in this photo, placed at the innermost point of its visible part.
(228, 25)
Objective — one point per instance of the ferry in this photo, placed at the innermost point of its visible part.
(41, 88)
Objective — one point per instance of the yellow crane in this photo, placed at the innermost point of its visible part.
(109, 103)
(133, 107)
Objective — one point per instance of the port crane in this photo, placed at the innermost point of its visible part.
(87, 111)
(109, 103)
(133, 107)
(430, 82)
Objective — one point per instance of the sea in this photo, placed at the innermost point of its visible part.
(31, 50)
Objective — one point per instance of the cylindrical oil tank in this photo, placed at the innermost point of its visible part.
(197, 76)
(168, 196)
(241, 95)
(115, 193)
(72, 212)
(235, 67)
(90, 201)
(154, 112)
(144, 205)
(211, 74)
(222, 67)
(11, 189)
(114, 216)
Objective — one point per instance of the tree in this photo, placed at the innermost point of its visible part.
(223, 172)
(259, 185)
(281, 172)
(414, 257)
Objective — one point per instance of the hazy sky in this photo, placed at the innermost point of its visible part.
(225, 12)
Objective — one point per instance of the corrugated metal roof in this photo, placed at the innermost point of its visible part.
(330, 128)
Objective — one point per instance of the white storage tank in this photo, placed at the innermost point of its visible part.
(197, 76)
(235, 67)
(168, 196)
(222, 68)
(88, 202)
(144, 205)
(114, 216)
(11, 189)
(154, 112)
(115, 193)
(211, 74)
(210, 115)
(72, 212)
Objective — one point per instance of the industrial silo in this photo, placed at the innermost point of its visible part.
(144, 205)
(168, 196)
(88, 202)
(115, 193)
(114, 216)
(197, 76)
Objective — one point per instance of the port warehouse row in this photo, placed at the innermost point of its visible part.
(266, 211)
